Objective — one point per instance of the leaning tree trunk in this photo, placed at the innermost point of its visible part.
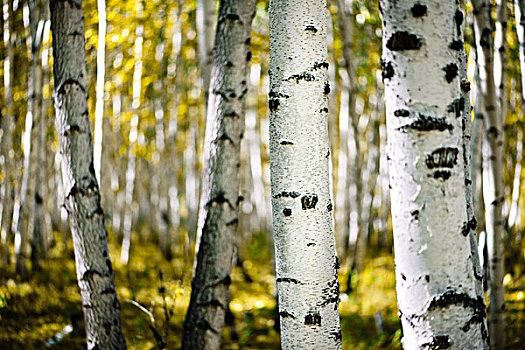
(101, 70)
(440, 304)
(218, 215)
(493, 188)
(306, 264)
(82, 194)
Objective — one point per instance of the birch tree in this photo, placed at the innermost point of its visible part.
(306, 265)
(493, 188)
(440, 305)
(8, 126)
(219, 209)
(82, 194)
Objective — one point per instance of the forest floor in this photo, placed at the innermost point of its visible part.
(32, 312)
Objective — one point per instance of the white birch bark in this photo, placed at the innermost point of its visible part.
(82, 194)
(493, 188)
(99, 104)
(219, 210)
(439, 301)
(306, 264)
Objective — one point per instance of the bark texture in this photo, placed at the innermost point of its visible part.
(218, 215)
(441, 305)
(306, 264)
(493, 188)
(82, 195)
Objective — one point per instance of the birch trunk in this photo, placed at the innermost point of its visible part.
(440, 304)
(99, 104)
(37, 166)
(82, 195)
(218, 215)
(133, 135)
(206, 34)
(306, 264)
(493, 188)
(8, 126)
(500, 58)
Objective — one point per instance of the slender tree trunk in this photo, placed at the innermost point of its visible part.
(8, 126)
(493, 188)
(306, 264)
(440, 305)
(206, 20)
(218, 215)
(101, 70)
(133, 135)
(82, 194)
(37, 167)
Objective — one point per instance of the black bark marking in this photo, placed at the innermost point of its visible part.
(465, 86)
(232, 222)
(427, 123)
(486, 37)
(402, 41)
(318, 65)
(403, 277)
(72, 129)
(449, 298)
(387, 70)
(108, 290)
(310, 28)
(285, 314)
(323, 110)
(438, 342)
(230, 17)
(312, 319)
(248, 56)
(330, 207)
(336, 335)
(401, 113)
(451, 71)
(301, 76)
(469, 225)
(292, 194)
(427, 278)
(493, 132)
(61, 88)
(418, 10)
(457, 106)
(311, 244)
(456, 45)
(415, 214)
(229, 64)
(442, 174)
(288, 280)
(224, 137)
(286, 143)
(445, 157)
(287, 212)
(231, 114)
(309, 202)
(88, 275)
(219, 199)
(108, 264)
(274, 104)
(458, 18)
(326, 88)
